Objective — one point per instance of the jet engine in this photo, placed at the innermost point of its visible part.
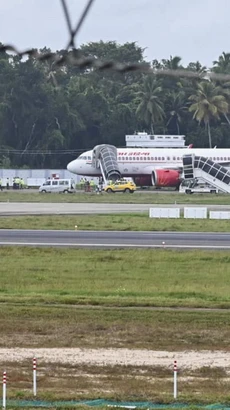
(166, 178)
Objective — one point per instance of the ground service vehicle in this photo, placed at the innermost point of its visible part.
(121, 186)
(65, 186)
(193, 186)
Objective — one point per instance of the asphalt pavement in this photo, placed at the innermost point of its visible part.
(35, 208)
(115, 239)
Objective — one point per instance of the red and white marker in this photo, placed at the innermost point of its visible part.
(34, 376)
(4, 390)
(175, 379)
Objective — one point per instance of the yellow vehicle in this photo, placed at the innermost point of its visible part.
(121, 186)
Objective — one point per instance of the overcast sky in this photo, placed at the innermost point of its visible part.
(192, 29)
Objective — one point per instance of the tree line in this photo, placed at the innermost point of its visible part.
(50, 113)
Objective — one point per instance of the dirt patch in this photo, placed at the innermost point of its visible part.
(125, 357)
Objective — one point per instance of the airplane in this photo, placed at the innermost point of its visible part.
(159, 167)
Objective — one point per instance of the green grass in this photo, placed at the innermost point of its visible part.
(105, 299)
(116, 278)
(138, 197)
(116, 222)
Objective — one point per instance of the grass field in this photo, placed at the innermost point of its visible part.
(116, 278)
(114, 222)
(50, 326)
(91, 299)
(138, 197)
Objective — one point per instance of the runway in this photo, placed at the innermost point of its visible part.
(35, 208)
(115, 239)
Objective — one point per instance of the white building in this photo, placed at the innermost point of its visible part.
(144, 140)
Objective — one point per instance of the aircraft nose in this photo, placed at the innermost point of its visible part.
(72, 167)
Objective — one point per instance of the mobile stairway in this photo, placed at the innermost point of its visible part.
(105, 158)
(204, 169)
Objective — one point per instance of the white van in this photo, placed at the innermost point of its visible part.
(65, 186)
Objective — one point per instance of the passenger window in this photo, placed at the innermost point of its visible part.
(137, 158)
(159, 158)
(141, 158)
(148, 158)
(123, 158)
(130, 158)
(54, 182)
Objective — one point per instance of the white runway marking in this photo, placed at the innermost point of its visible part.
(115, 245)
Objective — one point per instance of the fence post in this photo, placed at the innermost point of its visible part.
(34, 376)
(4, 390)
(175, 379)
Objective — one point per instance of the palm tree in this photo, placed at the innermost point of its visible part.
(208, 104)
(173, 63)
(197, 67)
(222, 65)
(150, 106)
(177, 107)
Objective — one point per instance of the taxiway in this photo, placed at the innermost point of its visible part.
(36, 208)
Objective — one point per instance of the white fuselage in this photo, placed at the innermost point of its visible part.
(139, 162)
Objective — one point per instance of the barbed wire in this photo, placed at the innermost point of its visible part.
(73, 32)
(40, 152)
(82, 62)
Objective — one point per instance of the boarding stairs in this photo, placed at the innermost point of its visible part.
(197, 167)
(105, 158)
